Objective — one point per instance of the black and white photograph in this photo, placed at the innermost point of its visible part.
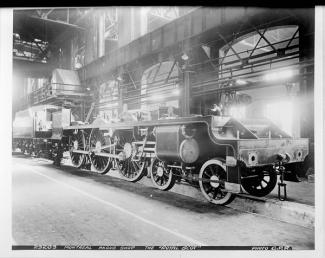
(182, 129)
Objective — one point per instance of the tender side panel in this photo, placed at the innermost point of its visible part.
(23, 125)
(60, 119)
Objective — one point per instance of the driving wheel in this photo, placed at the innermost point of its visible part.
(260, 182)
(211, 180)
(130, 165)
(161, 176)
(100, 146)
(78, 144)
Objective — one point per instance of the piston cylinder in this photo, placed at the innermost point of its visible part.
(171, 144)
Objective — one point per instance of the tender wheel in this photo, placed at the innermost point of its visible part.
(78, 143)
(97, 140)
(130, 165)
(262, 184)
(214, 191)
(162, 176)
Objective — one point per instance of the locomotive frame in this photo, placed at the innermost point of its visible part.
(189, 149)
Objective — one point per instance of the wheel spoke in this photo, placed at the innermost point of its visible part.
(77, 159)
(100, 164)
(163, 179)
(207, 174)
(127, 166)
(130, 169)
(134, 165)
(211, 171)
(263, 184)
(213, 191)
(209, 190)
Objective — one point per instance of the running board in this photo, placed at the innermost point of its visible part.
(107, 155)
(80, 151)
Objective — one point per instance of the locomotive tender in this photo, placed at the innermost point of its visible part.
(218, 154)
(32, 130)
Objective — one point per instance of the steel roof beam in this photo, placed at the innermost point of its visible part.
(293, 36)
(194, 29)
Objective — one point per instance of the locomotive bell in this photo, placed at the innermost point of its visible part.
(189, 150)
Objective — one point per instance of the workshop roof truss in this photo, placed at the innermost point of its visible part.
(67, 16)
(111, 30)
(241, 52)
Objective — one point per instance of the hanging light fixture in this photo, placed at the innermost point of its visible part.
(241, 82)
(185, 56)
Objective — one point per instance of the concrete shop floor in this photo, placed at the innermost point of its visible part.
(300, 192)
(68, 206)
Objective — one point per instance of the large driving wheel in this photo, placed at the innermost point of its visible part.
(214, 191)
(78, 144)
(100, 163)
(130, 165)
(260, 182)
(162, 177)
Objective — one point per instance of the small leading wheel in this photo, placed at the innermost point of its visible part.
(162, 177)
(214, 191)
(78, 143)
(97, 141)
(130, 165)
(262, 184)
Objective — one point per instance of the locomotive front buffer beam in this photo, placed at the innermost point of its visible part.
(259, 163)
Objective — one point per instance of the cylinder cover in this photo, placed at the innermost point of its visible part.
(189, 150)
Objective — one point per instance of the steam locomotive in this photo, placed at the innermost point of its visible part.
(220, 155)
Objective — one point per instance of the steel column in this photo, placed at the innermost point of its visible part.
(101, 33)
(186, 93)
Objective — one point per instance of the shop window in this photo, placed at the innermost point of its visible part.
(269, 48)
(281, 113)
(159, 86)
